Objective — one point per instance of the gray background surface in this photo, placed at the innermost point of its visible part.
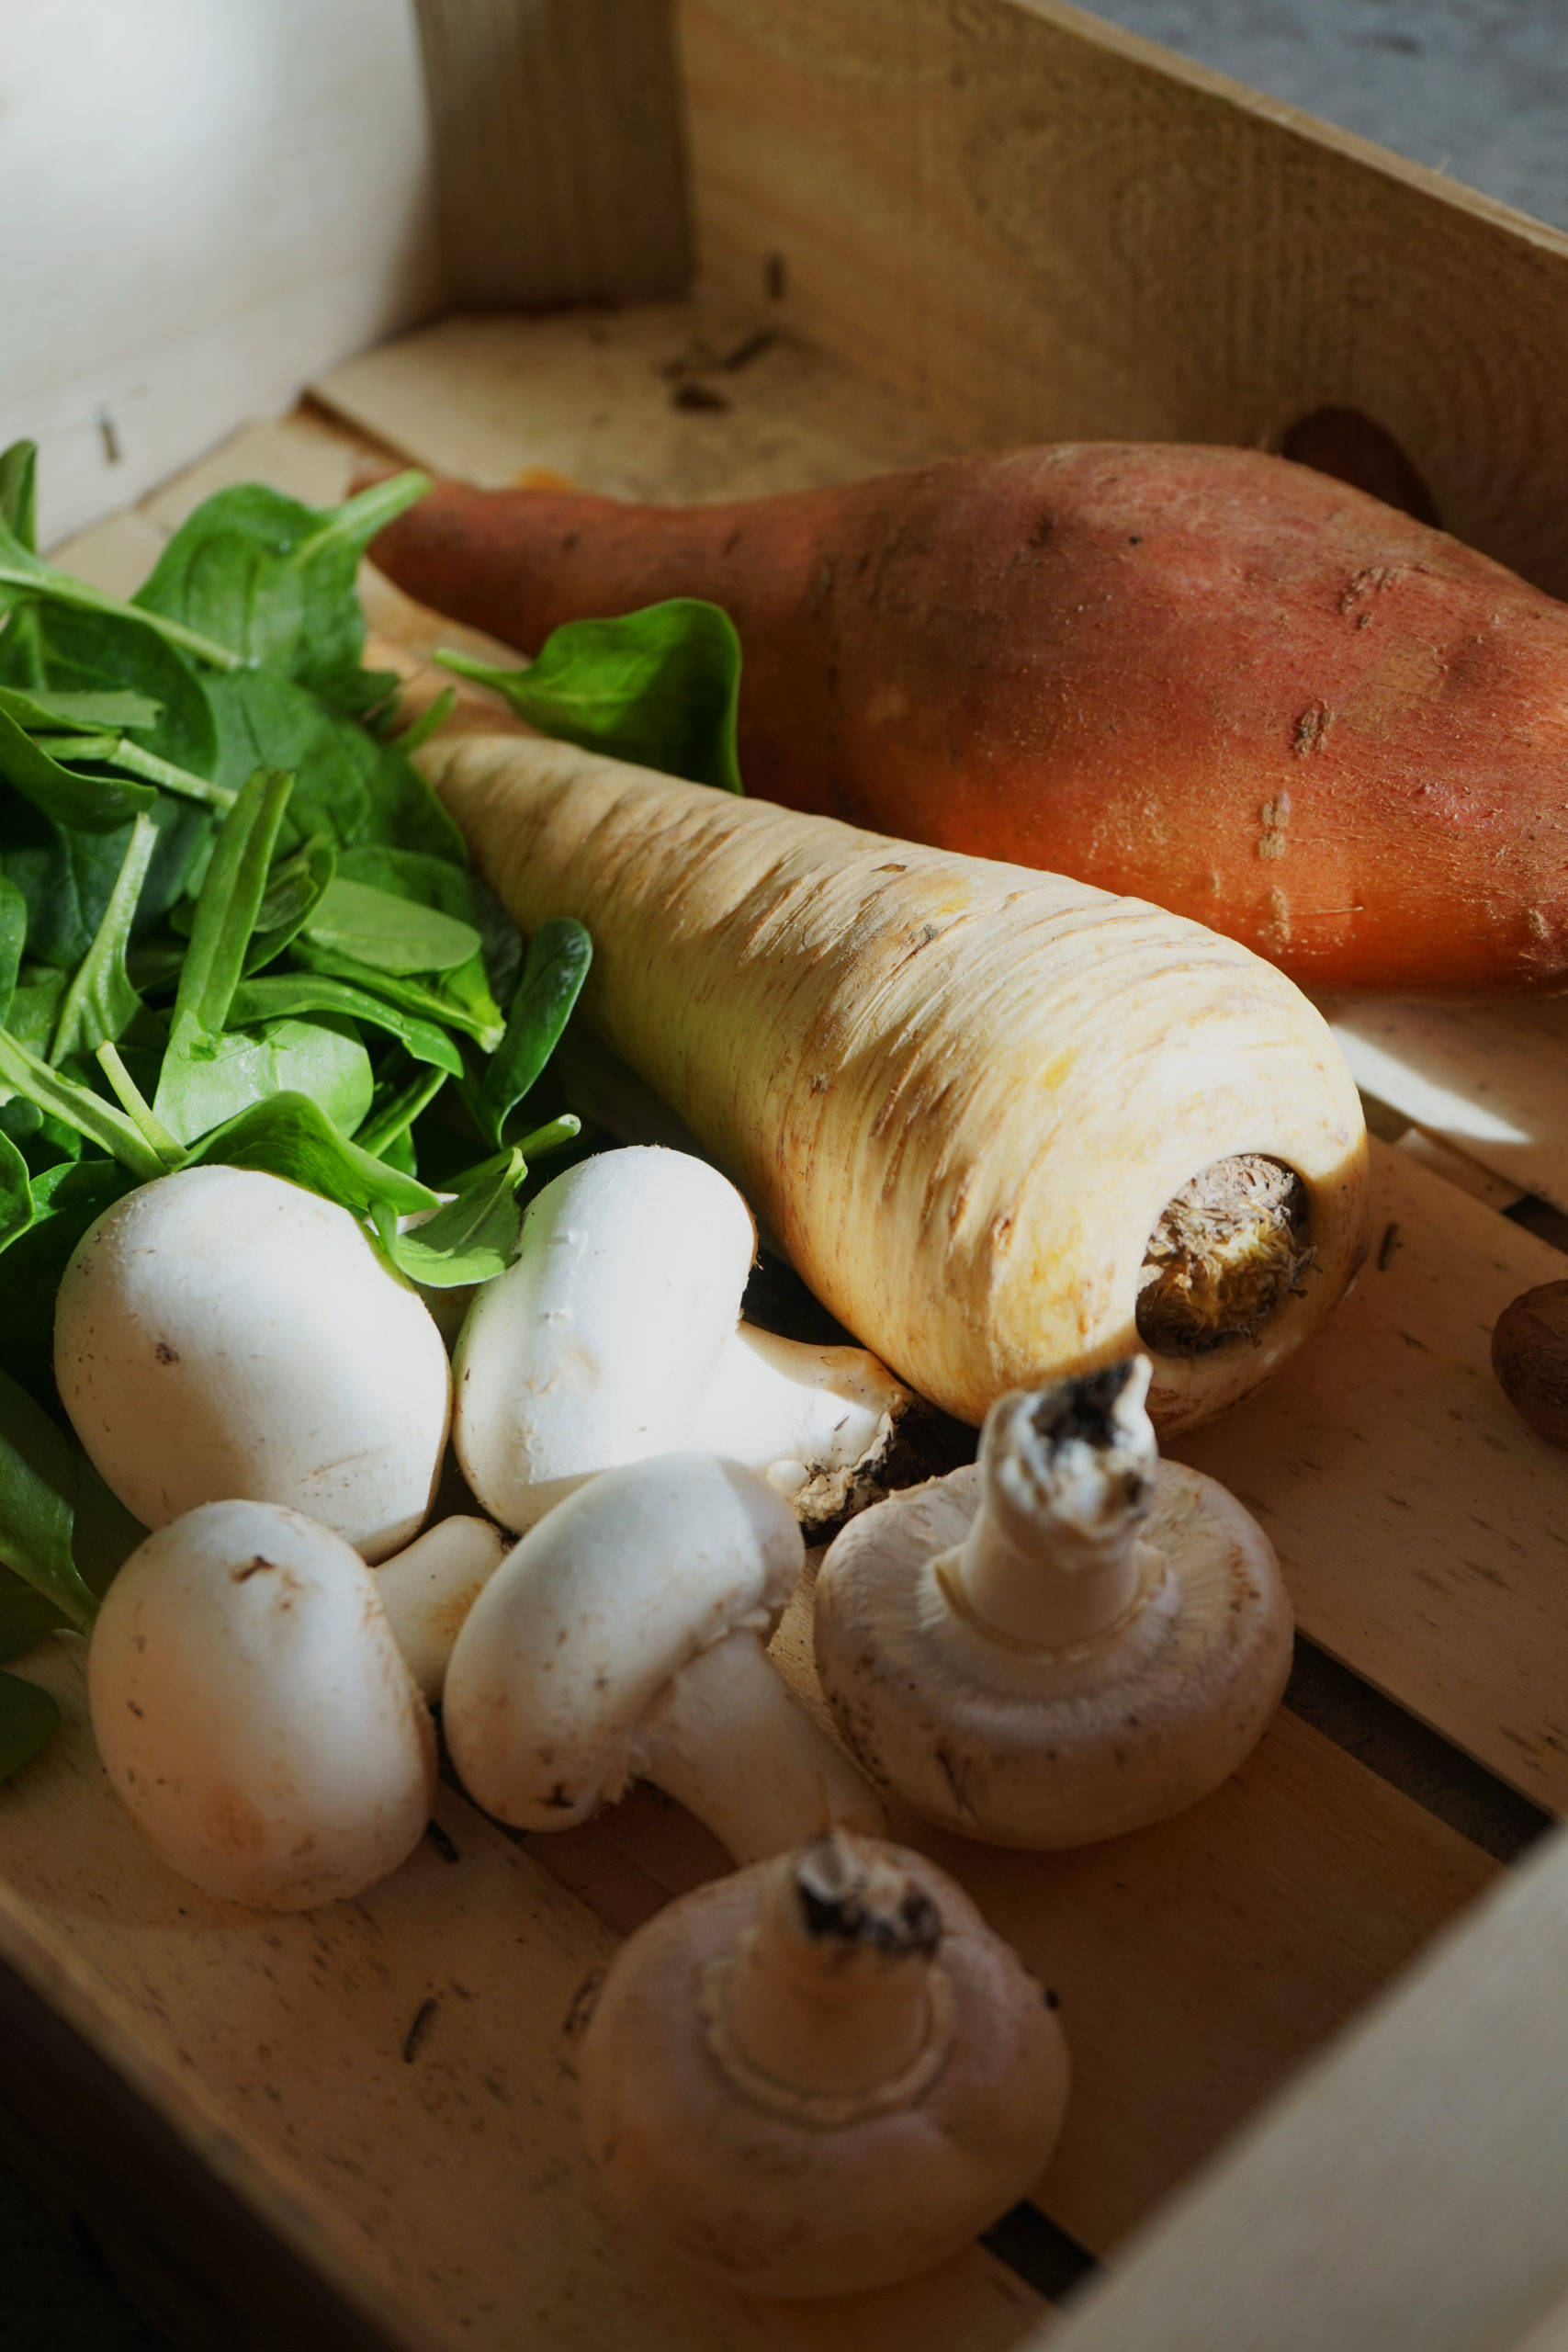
(1477, 88)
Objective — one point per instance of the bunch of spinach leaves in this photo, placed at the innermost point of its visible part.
(235, 925)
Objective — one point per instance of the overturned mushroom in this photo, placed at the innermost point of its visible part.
(1064, 1642)
(622, 1640)
(616, 1336)
(822, 2074)
(428, 1591)
(253, 1710)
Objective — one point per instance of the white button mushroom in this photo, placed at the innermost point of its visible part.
(253, 1712)
(1067, 1641)
(428, 1591)
(622, 1640)
(612, 1337)
(222, 1333)
(821, 2074)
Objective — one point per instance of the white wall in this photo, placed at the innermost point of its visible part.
(202, 203)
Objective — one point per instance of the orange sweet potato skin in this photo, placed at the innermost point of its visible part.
(1199, 676)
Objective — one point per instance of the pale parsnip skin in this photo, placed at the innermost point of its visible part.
(961, 1093)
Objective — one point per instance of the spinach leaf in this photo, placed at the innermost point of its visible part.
(89, 654)
(66, 1200)
(86, 804)
(475, 1236)
(290, 1136)
(25, 1616)
(322, 1059)
(385, 1131)
(119, 752)
(225, 914)
(346, 785)
(37, 1481)
(485, 1024)
(418, 733)
(18, 491)
(293, 886)
(100, 1001)
(29, 1716)
(274, 579)
(61, 1097)
(393, 935)
(559, 957)
(43, 712)
(23, 574)
(13, 939)
(661, 687)
(453, 891)
(16, 1193)
(290, 994)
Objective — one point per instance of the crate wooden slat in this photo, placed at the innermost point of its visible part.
(1408, 2196)
(1014, 223)
(1049, 230)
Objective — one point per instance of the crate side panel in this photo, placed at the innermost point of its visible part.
(202, 207)
(1050, 231)
(1407, 2195)
(557, 153)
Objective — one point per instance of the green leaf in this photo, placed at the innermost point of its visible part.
(389, 1122)
(392, 934)
(486, 1027)
(322, 1059)
(62, 1097)
(293, 886)
(291, 994)
(13, 939)
(89, 654)
(22, 571)
(475, 1236)
(85, 804)
(29, 1716)
(346, 785)
(18, 491)
(16, 1193)
(452, 890)
(25, 1616)
(661, 687)
(559, 957)
(100, 1001)
(290, 1136)
(272, 579)
(45, 712)
(66, 1201)
(225, 914)
(430, 720)
(37, 1481)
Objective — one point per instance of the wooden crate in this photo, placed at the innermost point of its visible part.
(922, 226)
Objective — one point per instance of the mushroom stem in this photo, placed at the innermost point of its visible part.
(1053, 1557)
(830, 1992)
(809, 1419)
(729, 1742)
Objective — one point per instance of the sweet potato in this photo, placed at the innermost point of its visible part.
(1205, 677)
(971, 1101)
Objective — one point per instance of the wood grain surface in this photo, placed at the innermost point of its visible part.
(1408, 2196)
(1422, 1526)
(557, 149)
(1047, 230)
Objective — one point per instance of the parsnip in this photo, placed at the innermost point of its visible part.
(961, 1094)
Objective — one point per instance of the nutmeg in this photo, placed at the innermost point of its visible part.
(1530, 1356)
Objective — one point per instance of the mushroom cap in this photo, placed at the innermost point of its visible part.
(1034, 1747)
(253, 1711)
(220, 1333)
(596, 1346)
(776, 2203)
(593, 1614)
(428, 1589)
